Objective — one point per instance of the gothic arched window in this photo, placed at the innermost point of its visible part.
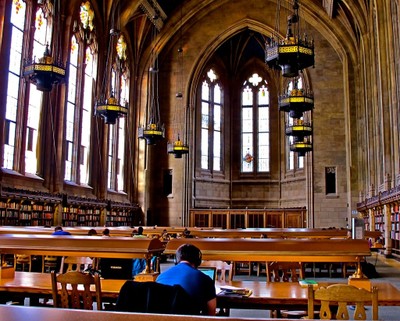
(24, 101)
(211, 123)
(255, 151)
(82, 75)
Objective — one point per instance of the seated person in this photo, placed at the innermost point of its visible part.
(185, 273)
(58, 230)
(92, 232)
(139, 232)
(106, 232)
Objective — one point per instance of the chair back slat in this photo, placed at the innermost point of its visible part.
(342, 296)
(73, 290)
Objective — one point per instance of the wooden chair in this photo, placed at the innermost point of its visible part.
(242, 268)
(72, 290)
(285, 272)
(342, 296)
(223, 269)
(75, 263)
(49, 263)
(24, 261)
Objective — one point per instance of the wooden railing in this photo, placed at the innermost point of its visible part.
(248, 218)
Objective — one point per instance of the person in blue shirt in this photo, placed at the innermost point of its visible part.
(185, 273)
(59, 231)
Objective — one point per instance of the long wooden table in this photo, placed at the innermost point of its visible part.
(20, 313)
(283, 250)
(264, 295)
(68, 245)
(157, 231)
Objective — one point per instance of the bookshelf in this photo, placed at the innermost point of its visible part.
(395, 229)
(379, 220)
(121, 214)
(27, 208)
(20, 207)
(374, 209)
(77, 211)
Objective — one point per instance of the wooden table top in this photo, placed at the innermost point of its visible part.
(19, 313)
(69, 245)
(264, 294)
(318, 233)
(283, 250)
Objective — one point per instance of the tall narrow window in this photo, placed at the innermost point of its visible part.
(23, 107)
(86, 116)
(211, 123)
(255, 126)
(70, 136)
(330, 180)
(116, 138)
(82, 66)
(41, 38)
(13, 103)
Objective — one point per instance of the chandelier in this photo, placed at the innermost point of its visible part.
(296, 102)
(47, 71)
(153, 131)
(301, 132)
(293, 53)
(177, 148)
(301, 147)
(107, 105)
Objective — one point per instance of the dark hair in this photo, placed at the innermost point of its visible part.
(58, 228)
(190, 253)
(92, 231)
(106, 231)
(140, 230)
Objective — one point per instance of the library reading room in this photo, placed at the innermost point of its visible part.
(194, 160)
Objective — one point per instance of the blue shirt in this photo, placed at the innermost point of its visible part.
(61, 233)
(198, 285)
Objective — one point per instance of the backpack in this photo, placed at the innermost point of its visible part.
(369, 270)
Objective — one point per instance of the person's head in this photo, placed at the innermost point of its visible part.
(92, 231)
(58, 228)
(140, 230)
(189, 253)
(106, 232)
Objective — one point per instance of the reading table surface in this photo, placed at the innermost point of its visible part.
(264, 295)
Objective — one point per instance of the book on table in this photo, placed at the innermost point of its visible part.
(305, 283)
(234, 291)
